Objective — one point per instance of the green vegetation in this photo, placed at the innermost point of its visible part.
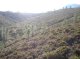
(51, 35)
(74, 57)
(58, 53)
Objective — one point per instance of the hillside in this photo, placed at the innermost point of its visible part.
(51, 35)
(10, 17)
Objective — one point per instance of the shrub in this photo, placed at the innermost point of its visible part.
(59, 53)
(74, 57)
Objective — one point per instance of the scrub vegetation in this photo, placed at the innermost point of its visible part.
(51, 35)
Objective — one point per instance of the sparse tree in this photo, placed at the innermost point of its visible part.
(28, 32)
(70, 7)
(66, 7)
(32, 31)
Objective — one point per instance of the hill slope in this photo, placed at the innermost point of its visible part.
(52, 35)
(10, 17)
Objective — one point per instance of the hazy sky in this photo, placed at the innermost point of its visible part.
(34, 6)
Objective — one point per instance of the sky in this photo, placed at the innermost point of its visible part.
(34, 6)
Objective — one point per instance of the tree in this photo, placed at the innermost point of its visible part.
(32, 31)
(28, 32)
(0, 35)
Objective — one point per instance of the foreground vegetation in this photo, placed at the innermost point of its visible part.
(56, 38)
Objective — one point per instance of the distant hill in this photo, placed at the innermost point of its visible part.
(17, 16)
(8, 18)
(53, 17)
(73, 6)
